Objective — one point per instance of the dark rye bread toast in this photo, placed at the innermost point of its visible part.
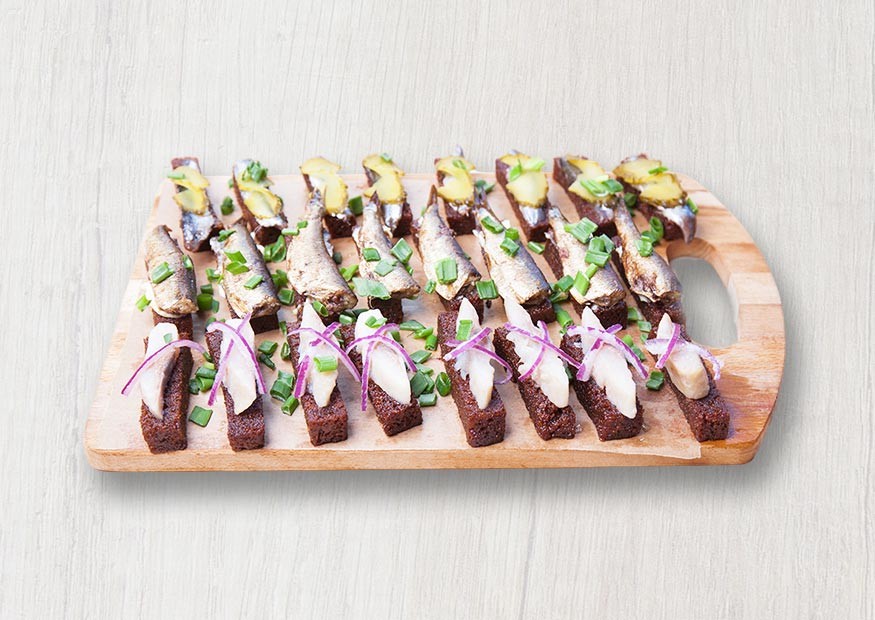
(260, 324)
(390, 308)
(537, 232)
(584, 208)
(470, 293)
(393, 416)
(328, 424)
(608, 315)
(339, 225)
(708, 417)
(245, 429)
(549, 420)
(483, 427)
(609, 423)
(197, 230)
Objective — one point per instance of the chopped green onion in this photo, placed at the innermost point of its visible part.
(420, 357)
(515, 172)
(280, 278)
(227, 206)
(213, 275)
(512, 233)
(431, 343)
(268, 347)
(486, 289)
(591, 270)
(142, 302)
(411, 326)
(290, 405)
(236, 268)
(564, 284)
(492, 225)
(224, 234)
(422, 334)
(430, 286)
(396, 335)
(176, 176)
(371, 254)
(596, 188)
(290, 232)
(534, 246)
(193, 386)
(230, 182)
(402, 251)
(264, 359)
(349, 272)
(384, 267)
(409, 269)
(645, 247)
(236, 256)
(612, 185)
(386, 158)
(581, 283)
(200, 415)
(302, 224)
(281, 390)
(606, 243)
(509, 246)
(582, 230)
(161, 273)
(443, 384)
(562, 316)
(657, 170)
(446, 270)
(205, 373)
(346, 319)
(657, 228)
(215, 305)
(319, 307)
(692, 205)
(655, 380)
(464, 329)
(276, 251)
(428, 400)
(421, 383)
(557, 297)
(186, 261)
(483, 186)
(207, 288)
(204, 302)
(631, 199)
(337, 257)
(255, 171)
(286, 296)
(597, 258)
(254, 281)
(458, 163)
(632, 314)
(286, 351)
(325, 363)
(355, 205)
(370, 288)
(645, 327)
(375, 321)
(631, 344)
(168, 338)
(210, 321)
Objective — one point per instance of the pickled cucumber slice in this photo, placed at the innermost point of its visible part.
(192, 200)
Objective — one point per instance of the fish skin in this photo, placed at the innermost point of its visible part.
(373, 233)
(312, 271)
(605, 287)
(177, 294)
(518, 274)
(435, 241)
(261, 300)
(650, 277)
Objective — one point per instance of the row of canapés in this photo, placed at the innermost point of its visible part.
(591, 258)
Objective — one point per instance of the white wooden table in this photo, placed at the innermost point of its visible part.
(769, 105)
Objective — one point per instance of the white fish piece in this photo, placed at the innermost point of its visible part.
(684, 365)
(319, 384)
(153, 379)
(240, 374)
(388, 369)
(474, 365)
(550, 374)
(610, 370)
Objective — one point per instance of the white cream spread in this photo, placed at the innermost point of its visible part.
(154, 378)
(387, 369)
(609, 369)
(474, 365)
(240, 374)
(550, 374)
(319, 384)
(684, 365)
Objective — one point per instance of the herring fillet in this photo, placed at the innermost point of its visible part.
(434, 242)
(175, 295)
(261, 300)
(312, 271)
(648, 276)
(372, 233)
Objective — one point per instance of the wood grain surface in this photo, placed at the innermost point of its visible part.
(769, 104)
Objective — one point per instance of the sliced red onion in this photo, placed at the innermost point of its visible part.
(658, 345)
(223, 363)
(389, 342)
(584, 370)
(301, 379)
(543, 340)
(460, 347)
(372, 340)
(535, 364)
(609, 337)
(175, 344)
(326, 337)
(669, 348)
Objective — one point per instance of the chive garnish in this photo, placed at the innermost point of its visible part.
(236, 256)
(200, 415)
(290, 232)
(422, 334)
(655, 380)
(534, 165)
(286, 351)
(207, 288)
(483, 186)
(281, 390)
(509, 246)
(402, 251)
(302, 224)
(564, 284)
(632, 314)
(204, 302)
(512, 233)
(386, 158)
(280, 278)
(591, 270)
(562, 316)
(384, 267)
(206, 373)
(430, 286)
(193, 386)
(431, 343)
(349, 272)
(320, 308)
(276, 251)
(631, 344)
(645, 247)
(371, 254)
(236, 268)
(346, 319)
(411, 326)
(421, 356)
(224, 234)
(290, 405)
(612, 185)
(692, 205)
(142, 302)
(443, 384)
(515, 172)
(464, 329)
(582, 230)
(215, 305)
(657, 227)
(213, 275)
(631, 199)
(227, 206)
(264, 359)
(161, 273)
(421, 383)
(176, 176)
(254, 281)
(325, 363)
(657, 170)
(370, 288)
(446, 270)
(486, 289)
(337, 257)
(355, 205)
(597, 258)
(581, 283)
(534, 246)
(375, 321)
(428, 400)
(268, 347)
(492, 225)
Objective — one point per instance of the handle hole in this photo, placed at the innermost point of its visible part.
(708, 307)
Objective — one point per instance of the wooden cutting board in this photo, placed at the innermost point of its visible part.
(749, 383)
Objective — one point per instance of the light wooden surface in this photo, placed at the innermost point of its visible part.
(769, 104)
(749, 383)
